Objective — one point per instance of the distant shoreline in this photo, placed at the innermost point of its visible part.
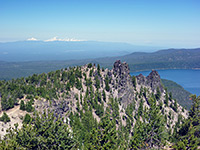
(166, 69)
(187, 78)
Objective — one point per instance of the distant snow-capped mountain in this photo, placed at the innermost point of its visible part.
(64, 49)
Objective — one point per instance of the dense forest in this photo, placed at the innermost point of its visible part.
(89, 107)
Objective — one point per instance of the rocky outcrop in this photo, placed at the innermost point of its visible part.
(141, 80)
(123, 75)
(58, 107)
(122, 72)
(121, 68)
(124, 84)
(152, 80)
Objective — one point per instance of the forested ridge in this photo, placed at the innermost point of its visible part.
(179, 93)
(138, 61)
(89, 107)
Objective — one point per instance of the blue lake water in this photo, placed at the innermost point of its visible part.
(188, 79)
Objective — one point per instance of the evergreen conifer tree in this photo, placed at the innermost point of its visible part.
(22, 105)
(105, 137)
(189, 133)
(151, 132)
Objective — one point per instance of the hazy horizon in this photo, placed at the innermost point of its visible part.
(172, 23)
(159, 47)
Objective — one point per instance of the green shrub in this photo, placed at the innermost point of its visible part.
(27, 119)
(5, 118)
(22, 105)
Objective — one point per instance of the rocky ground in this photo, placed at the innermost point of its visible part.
(16, 116)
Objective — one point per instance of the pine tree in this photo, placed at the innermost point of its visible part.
(157, 134)
(104, 96)
(68, 86)
(98, 69)
(45, 132)
(158, 93)
(189, 133)
(29, 107)
(151, 132)
(27, 119)
(137, 139)
(91, 72)
(22, 105)
(175, 107)
(170, 96)
(4, 103)
(78, 105)
(166, 99)
(105, 137)
(107, 84)
(134, 81)
(5, 118)
(97, 82)
(140, 109)
(89, 65)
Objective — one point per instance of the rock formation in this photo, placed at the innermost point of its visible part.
(152, 80)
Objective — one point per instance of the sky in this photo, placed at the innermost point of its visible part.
(171, 23)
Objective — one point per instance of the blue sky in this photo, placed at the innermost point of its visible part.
(171, 23)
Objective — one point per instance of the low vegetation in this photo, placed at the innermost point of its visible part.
(5, 118)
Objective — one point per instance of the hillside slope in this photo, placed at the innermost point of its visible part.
(179, 93)
(87, 95)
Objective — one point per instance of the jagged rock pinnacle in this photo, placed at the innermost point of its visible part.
(141, 79)
(121, 68)
(152, 80)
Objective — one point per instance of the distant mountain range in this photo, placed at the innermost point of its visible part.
(162, 59)
(65, 50)
(138, 61)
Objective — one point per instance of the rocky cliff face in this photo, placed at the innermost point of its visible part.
(152, 81)
(144, 88)
(122, 69)
(122, 79)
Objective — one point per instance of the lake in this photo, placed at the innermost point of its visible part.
(188, 79)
